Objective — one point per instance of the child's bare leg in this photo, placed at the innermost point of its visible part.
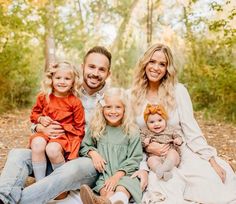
(38, 145)
(154, 163)
(172, 159)
(55, 154)
(105, 193)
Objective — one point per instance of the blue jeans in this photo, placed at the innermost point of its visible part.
(18, 166)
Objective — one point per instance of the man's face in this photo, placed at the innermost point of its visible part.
(95, 71)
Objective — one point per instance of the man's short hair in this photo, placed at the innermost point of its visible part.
(99, 50)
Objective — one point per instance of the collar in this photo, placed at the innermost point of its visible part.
(100, 92)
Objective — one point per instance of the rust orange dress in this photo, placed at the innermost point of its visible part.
(69, 112)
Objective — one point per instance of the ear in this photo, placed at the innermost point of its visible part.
(109, 73)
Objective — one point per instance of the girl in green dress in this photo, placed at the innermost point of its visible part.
(113, 143)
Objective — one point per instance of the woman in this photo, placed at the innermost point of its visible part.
(201, 176)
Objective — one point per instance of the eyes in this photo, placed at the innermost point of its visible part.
(154, 121)
(65, 78)
(109, 107)
(154, 62)
(100, 69)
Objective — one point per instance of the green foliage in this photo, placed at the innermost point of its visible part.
(19, 60)
(211, 80)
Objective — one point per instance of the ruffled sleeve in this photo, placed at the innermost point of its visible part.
(77, 127)
(192, 132)
(134, 156)
(37, 109)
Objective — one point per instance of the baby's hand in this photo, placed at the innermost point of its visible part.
(178, 141)
(146, 142)
(45, 120)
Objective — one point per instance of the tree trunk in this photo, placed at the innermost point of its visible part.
(49, 37)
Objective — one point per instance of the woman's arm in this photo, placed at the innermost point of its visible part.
(192, 132)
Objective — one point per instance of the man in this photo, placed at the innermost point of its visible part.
(70, 176)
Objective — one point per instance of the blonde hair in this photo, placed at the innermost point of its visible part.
(98, 123)
(47, 83)
(154, 109)
(140, 81)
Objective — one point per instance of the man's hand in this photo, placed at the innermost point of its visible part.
(143, 176)
(53, 130)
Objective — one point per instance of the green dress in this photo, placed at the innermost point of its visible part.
(121, 152)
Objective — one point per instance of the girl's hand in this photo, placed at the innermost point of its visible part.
(45, 120)
(178, 141)
(157, 148)
(146, 141)
(143, 176)
(111, 183)
(218, 169)
(98, 162)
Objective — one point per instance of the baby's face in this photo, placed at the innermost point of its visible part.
(156, 123)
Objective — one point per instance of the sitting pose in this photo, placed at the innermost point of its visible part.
(114, 145)
(201, 177)
(57, 104)
(157, 131)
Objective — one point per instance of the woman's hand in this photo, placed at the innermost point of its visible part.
(157, 148)
(218, 169)
(53, 130)
(98, 162)
(143, 176)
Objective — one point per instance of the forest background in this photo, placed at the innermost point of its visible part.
(201, 33)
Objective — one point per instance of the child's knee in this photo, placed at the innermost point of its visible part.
(38, 145)
(53, 150)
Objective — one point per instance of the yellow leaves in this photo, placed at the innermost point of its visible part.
(38, 3)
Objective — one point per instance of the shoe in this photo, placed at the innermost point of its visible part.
(62, 196)
(88, 197)
(118, 202)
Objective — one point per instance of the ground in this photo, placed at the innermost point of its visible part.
(15, 131)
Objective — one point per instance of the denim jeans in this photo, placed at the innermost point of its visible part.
(18, 166)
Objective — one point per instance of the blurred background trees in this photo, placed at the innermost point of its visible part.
(200, 32)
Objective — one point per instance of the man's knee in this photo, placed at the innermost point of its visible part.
(19, 155)
(78, 167)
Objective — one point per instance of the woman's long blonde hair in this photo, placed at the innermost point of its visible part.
(47, 83)
(97, 124)
(140, 82)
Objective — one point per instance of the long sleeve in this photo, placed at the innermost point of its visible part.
(134, 156)
(77, 127)
(37, 109)
(87, 144)
(192, 132)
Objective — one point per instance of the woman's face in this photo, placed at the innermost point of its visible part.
(156, 67)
